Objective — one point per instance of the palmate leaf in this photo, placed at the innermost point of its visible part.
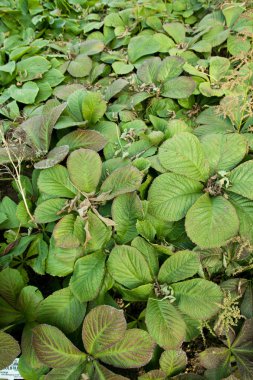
(178, 267)
(197, 298)
(87, 277)
(55, 181)
(224, 151)
(165, 324)
(54, 349)
(171, 195)
(85, 167)
(183, 154)
(9, 349)
(210, 222)
(241, 179)
(134, 350)
(69, 373)
(120, 181)
(173, 361)
(69, 232)
(102, 373)
(128, 267)
(103, 327)
(62, 310)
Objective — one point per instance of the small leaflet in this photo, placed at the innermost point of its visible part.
(11, 372)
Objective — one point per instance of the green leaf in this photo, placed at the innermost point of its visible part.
(28, 302)
(171, 195)
(121, 68)
(80, 66)
(93, 107)
(178, 267)
(128, 267)
(140, 46)
(244, 210)
(179, 88)
(176, 30)
(62, 310)
(83, 139)
(231, 12)
(134, 350)
(50, 210)
(242, 349)
(55, 181)
(126, 209)
(74, 104)
(9, 208)
(98, 233)
(11, 284)
(69, 232)
(147, 72)
(241, 179)
(9, 350)
(115, 87)
(88, 275)
(183, 154)
(54, 349)
(102, 373)
(211, 222)
(90, 164)
(198, 298)
(121, 181)
(173, 362)
(170, 67)
(54, 157)
(91, 46)
(149, 252)
(32, 68)
(224, 152)
(219, 67)
(155, 374)
(164, 323)
(69, 373)
(25, 94)
(215, 357)
(103, 327)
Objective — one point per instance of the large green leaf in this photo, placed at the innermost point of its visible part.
(147, 72)
(11, 284)
(98, 233)
(126, 209)
(93, 107)
(83, 139)
(242, 350)
(80, 66)
(63, 310)
(55, 181)
(128, 267)
(165, 324)
(28, 302)
(244, 210)
(170, 67)
(9, 349)
(178, 267)
(149, 252)
(171, 195)
(69, 373)
(50, 210)
(134, 350)
(69, 232)
(211, 222)
(25, 94)
(179, 88)
(121, 181)
(87, 277)
(173, 361)
(140, 46)
(32, 68)
(85, 167)
(103, 327)
(241, 179)
(54, 157)
(198, 298)
(224, 152)
(54, 349)
(183, 154)
(102, 373)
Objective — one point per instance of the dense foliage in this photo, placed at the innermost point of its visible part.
(126, 210)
